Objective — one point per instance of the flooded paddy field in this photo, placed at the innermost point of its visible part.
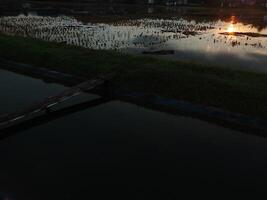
(119, 148)
(116, 148)
(226, 37)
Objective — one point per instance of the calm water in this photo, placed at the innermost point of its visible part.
(235, 39)
(116, 148)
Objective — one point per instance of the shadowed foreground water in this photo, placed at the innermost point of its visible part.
(117, 148)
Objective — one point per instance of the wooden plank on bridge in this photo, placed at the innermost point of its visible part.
(9, 120)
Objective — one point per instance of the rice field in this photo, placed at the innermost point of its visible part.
(210, 41)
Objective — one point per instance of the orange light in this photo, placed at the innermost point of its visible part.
(231, 28)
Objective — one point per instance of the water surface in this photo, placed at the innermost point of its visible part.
(235, 40)
(117, 148)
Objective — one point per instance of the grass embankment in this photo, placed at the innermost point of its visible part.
(238, 91)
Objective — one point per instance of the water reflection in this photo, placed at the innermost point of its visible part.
(214, 37)
(231, 28)
(113, 146)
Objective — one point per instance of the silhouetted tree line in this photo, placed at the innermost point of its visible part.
(206, 2)
(121, 1)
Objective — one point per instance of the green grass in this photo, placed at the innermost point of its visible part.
(233, 90)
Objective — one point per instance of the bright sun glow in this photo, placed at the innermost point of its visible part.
(231, 28)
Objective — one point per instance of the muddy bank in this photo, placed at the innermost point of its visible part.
(249, 34)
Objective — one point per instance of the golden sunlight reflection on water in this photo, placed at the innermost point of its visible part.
(231, 29)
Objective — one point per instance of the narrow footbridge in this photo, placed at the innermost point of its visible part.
(9, 120)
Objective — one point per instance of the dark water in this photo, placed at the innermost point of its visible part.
(119, 149)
